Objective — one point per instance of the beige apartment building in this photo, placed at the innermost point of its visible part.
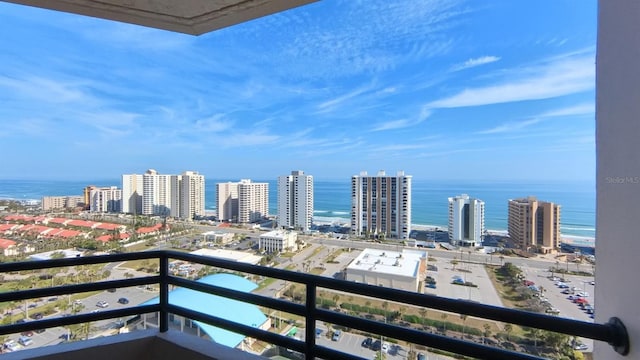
(534, 225)
(242, 202)
(381, 205)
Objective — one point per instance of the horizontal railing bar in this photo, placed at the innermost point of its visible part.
(251, 298)
(613, 332)
(83, 260)
(419, 337)
(513, 316)
(263, 335)
(77, 288)
(254, 332)
(77, 319)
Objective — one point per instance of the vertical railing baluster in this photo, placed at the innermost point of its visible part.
(164, 292)
(310, 319)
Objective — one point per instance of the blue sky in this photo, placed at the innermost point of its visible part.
(442, 89)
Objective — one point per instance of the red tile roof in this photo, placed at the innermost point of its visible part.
(5, 227)
(108, 237)
(58, 220)
(108, 226)
(82, 223)
(5, 243)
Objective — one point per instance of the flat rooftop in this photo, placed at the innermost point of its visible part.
(238, 256)
(405, 263)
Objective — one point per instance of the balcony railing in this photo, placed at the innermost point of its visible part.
(613, 332)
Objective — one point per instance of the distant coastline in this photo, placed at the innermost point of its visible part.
(429, 199)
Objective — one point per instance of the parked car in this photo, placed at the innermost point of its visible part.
(376, 345)
(37, 316)
(367, 342)
(580, 347)
(102, 304)
(336, 335)
(25, 341)
(385, 347)
(123, 301)
(318, 333)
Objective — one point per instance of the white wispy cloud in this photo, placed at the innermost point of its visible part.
(475, 62)
(558, 78)
(215, 123)
(403, 123)
(580, 109)
(332, 104)
(509, 127)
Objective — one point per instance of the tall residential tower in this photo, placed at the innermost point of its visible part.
(180, 196)
(534, 225)
(242, 202)
(295, 201)
(466, 221)
(381, 205)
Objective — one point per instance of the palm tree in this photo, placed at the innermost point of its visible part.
(487, 331)
(464, 321)
(508, 328)
(423, 315)
(385, 306)
(444, 323)
(454, 262)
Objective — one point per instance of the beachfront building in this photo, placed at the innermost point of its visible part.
(158, 194)
(295, 201)
(381, 205)
(466, 221)
(398, 270)
(179, 196)
(132, 194)
(50, 203)
(534, 225)
(243, 201)
(105, 199)
(278, 241)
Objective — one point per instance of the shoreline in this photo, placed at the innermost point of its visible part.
(324, 220)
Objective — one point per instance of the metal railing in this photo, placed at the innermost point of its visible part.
(613, 332)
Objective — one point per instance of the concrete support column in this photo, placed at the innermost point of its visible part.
(618, 169)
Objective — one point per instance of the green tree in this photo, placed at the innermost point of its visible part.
(423, 315)
(487, 331)
(444, 322)
(463, 317)
(508, 328)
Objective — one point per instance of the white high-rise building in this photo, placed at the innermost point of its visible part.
(179, 196)
(105, 199)
(295, 201)
(466, 221)
(158, 194)
(132, 192)
(381, 205)
(242, 202)
(191, 195)
(227, 201)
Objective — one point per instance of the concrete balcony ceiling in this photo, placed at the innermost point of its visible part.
(193, 17)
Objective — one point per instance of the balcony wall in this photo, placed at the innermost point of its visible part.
(139, 345)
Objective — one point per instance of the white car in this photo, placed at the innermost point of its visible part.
(385, 347)
(102, 304)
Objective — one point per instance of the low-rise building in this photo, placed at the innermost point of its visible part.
(217, 237)
(278, 241)
(398, 270)
(8, 247)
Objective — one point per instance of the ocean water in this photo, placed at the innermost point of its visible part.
(429, 198)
